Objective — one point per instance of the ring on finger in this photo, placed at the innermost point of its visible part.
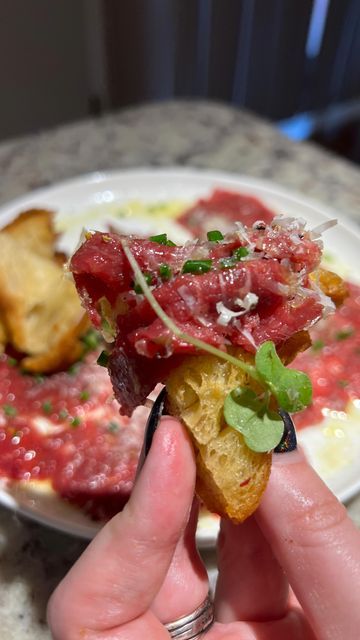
(194, 624)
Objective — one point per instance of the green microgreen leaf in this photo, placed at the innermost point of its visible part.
(291, 388)
(215, 236)
(249, 414)
(75, 422)
(197, 266)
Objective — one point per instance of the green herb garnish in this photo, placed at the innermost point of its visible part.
(63, 414)
(162, 239)
(317, 345)
(9, 410)
(91, 339)
(240, 253)
(165, 271)
(197, 266)
(12, 362)
(75, 422)
(113, 427)
(47, 406)
(84, 395)
(215, 236)
(290, 389)
(344, 333)
(103, 359)
(247, 413)
(148, 278)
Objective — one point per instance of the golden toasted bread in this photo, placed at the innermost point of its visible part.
(230, 477)
(3, 335)
(34, 229)
(38, 303)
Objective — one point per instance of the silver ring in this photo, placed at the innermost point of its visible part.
(193, 625)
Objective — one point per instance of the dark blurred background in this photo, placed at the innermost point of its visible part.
(295, 62)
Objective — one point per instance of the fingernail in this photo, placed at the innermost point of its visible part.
(151, 426)
(288, 442)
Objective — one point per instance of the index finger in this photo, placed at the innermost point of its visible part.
(316, 543)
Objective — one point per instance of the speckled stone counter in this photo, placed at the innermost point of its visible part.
(199, 134)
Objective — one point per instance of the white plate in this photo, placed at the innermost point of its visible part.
(92, 201)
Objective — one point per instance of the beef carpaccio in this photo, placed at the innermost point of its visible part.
(65, 428)
(239, 290)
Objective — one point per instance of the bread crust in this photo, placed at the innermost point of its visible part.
(230, 477)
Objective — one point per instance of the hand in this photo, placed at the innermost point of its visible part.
(143, 569)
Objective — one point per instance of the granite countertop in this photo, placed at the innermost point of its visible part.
(200, 134)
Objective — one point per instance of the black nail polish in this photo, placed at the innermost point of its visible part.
(151, 426)
(288, 442)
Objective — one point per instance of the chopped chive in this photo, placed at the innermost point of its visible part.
(343, 383)
(91, 339)
(165, 271)
(345, 333)
(73, 369)
(38, 378)
(12, 362)
(197, 266)
(84, 395)
(162, 239)
(103, 359)
(75, 422)
(47, 406)
(113, 427)
(148, 277)
(240, 253)
(317, 345)
(215, 235)
(63, 414)
(9, 410)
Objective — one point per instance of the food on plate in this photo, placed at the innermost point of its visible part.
(221, 210)
(41, 319)
(238, 297)
(333, 363)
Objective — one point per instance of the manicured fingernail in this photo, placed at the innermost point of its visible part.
(288, 442)
(151, 426)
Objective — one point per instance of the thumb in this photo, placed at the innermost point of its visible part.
(122, 570)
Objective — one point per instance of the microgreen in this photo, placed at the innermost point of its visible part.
(249, 414)
(291, 388)
(344, 333)
(244, 410)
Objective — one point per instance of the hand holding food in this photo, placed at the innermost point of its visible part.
(236, 297)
